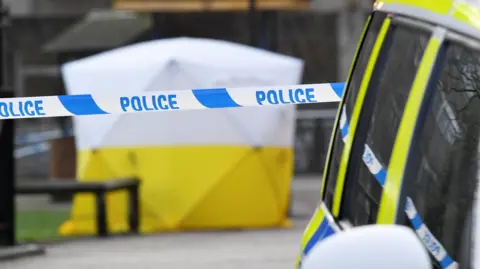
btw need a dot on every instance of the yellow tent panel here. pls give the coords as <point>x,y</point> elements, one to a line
<point>202,187</point>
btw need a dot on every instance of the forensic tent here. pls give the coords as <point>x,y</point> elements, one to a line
<point>204,169</point>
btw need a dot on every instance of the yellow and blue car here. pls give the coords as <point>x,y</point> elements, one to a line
<point>406,143</point>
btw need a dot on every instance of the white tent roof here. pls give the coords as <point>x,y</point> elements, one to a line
<point>199,51</point>
<point>177,64</point>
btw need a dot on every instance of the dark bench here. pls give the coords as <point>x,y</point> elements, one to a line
<point>99,189</point>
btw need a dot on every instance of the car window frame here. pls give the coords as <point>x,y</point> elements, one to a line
<point>336,135</point>
<point>426,104</point>
<point>361,133</point>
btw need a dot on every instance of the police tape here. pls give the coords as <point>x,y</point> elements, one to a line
<point>34,149</point>
<point>434,247</point>
<point>195,99</point>
<point>37,142</point>
<point>42,136</point>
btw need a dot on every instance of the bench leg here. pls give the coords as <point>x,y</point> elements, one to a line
<point>101,214</point>
<point>134,207</point>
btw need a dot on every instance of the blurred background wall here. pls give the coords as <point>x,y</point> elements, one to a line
<point>323,33</point>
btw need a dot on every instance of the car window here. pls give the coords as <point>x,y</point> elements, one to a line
<point>351,95</point>
<point>379,121</point>
<point>443,166</point>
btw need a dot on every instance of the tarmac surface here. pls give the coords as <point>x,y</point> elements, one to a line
<point>252,249</point>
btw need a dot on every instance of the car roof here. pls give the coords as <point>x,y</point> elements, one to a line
<point>459,15</point>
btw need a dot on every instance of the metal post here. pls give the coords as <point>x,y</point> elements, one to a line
<point>7,162</point>
<point>253,23</point>
<point>3,60</point>
<point>7,180</point>
<point>273,41</point>
<point>7,165</point>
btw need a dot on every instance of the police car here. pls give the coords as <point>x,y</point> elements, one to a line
<point>405,148</point>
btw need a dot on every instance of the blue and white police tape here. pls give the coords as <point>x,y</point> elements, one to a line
<point>37,137</point>
<point>31,150</point>
<point>101,104</point>
<point>380,173</point>
<point>433,245</point>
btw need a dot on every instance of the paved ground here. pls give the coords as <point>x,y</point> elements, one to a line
<point>262,249</point>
